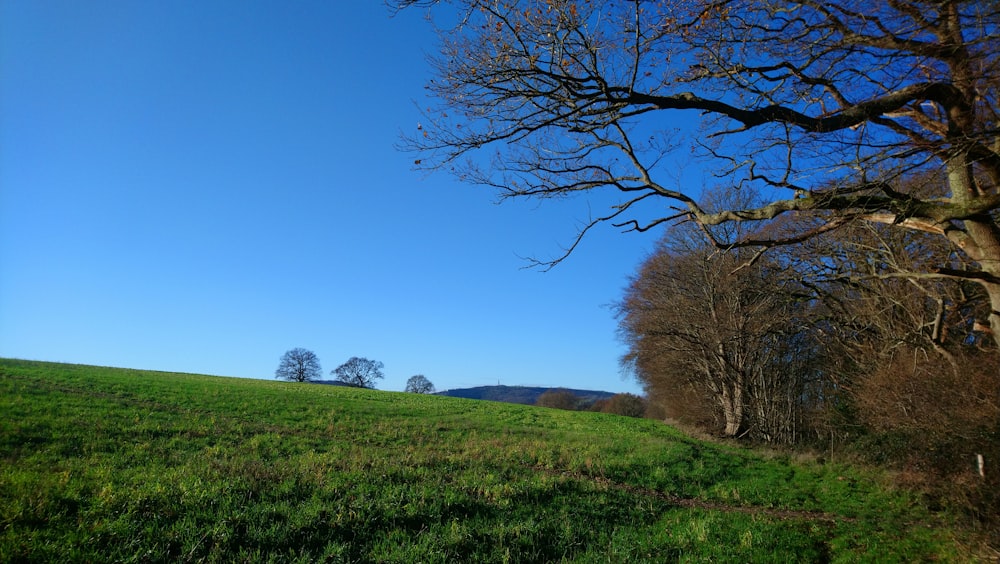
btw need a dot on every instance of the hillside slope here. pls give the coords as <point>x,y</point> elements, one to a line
<point>107,464</point>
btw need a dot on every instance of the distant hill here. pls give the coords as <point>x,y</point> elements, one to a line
<point>519,394</point>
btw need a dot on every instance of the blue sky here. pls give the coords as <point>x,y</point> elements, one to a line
<point>201,186</point>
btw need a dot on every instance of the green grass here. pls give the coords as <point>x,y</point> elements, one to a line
<point>102,464</point>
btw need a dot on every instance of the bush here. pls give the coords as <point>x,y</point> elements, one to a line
<point>558,399</point>
<point>629,405</point>
<point>928,417</point>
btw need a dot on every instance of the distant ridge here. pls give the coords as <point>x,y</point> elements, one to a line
<point>527,395</point>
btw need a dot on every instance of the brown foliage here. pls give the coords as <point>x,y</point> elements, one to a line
<point>629,405</point>
<point>930,416</point>
<point>716,339</point>
<point>924,394</point>
<point>558,399</point>
<point>678,401</point>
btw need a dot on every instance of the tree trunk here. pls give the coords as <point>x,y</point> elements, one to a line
<point>981,237</point>
<point>732,410</point>
<point>986,251</point>
<point>993,291</point>
<point>988,240</point>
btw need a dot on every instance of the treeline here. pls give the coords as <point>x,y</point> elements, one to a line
<point>837,341</point>
<point>302,365</point>
<point>629,405</point>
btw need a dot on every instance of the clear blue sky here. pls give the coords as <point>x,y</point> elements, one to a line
<point>201,186</point>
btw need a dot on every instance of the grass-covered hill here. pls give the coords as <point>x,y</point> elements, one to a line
<point>101,464</point>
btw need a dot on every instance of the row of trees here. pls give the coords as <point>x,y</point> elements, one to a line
<point>302,365</point>
<point>629,405</point>
<point>791,346</point>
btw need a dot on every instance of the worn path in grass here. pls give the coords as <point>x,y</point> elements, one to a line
<point>695,503</point>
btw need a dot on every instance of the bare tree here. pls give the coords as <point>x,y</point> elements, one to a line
<point>874,303</point>
<point>832,108</point>
<point>360,372</point>
<point>900,349</point>
<point>419,384</point>
<point>299,365</point>
<point>705,329</point>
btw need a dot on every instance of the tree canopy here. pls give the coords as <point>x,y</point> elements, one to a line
<point>419,384</point>
<point>299,365</point>
<point>837,112</point>
<point>360,372</point>
<point>728,340</point>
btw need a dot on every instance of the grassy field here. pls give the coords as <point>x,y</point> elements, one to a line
<point>101,464</point>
